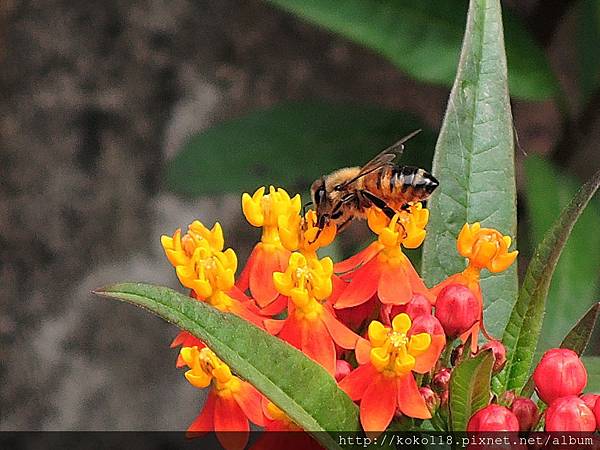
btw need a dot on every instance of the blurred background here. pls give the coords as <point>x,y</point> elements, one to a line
<point>123,120</point>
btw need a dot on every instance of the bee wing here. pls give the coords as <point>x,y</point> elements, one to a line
<point>382,159</point>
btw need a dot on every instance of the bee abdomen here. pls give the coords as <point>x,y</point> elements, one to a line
<point>413,182</point>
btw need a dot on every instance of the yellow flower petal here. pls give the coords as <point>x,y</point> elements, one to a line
<point>401,323</point>
<point>198,379</point>
<point>377,333</point>
<point>419,343</point>
<point>404,364</point>
<point>379,358</point>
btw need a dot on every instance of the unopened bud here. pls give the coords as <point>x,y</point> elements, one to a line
<point>526,411</point>
<point>493,418</point>
<point>457,309</point>
<point>342,368</point>
<point>418,306</point>
<point>560,373</point>
<point>440,380</point>
<point>570,413</point>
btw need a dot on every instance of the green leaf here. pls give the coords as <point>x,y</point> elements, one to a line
<point>291,145</point>
<point>474,161</point>
<point>577,340</point>
<point>525,323</point>
<point>592,364</point>
<point>576,279</point>
<point>296,384</point>
<point>423,38</point>
<point>588,36</point>
<point>469,389</point>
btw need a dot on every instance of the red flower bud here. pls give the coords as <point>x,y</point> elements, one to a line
<point>432,400</point>
<point>559,373</point>
<point>570,414</point>
<point>342,368</point>
<point>493,418</point>
<point>440,380</point>
<point>418,306</point>
<point>499,354</point>
<point>590,400</point>
<point>457,309</point>
<point>597,414</point>
<point>526,411</point>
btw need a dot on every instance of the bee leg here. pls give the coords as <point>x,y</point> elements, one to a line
<point>380,203</point>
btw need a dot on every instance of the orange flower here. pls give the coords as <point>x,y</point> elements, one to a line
<point>202,266</point>
<point>310,325</point>
<point>385,383</point>
<point>300,234</point>
<point>231,402</point>
<point>484,248</point>
<point>384,270</point>
<point>268,255</point>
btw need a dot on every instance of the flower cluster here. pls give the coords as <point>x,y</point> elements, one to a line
<point>370,321</point>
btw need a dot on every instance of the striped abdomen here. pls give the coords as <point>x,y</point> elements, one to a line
<point>399,185</point>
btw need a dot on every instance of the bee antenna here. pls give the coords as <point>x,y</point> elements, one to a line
<point>408,137</point>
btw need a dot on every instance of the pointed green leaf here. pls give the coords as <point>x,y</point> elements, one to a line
<point>576,279</point>
<point>474,162</point>
<point>291,145</point>
<point>296,384</point>
<point>423,38</point>
<point>580,335</point>
<point>469,389</point>
<point>525,323</point>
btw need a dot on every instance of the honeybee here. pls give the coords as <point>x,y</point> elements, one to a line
<point>348,193</point>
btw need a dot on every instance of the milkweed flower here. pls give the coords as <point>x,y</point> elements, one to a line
<point>208,271</point>
<point>484,248</point>
<point>302,234</point>
<point>310,325</point>
<point>269,255</point>
<point>385,382</point>
<point>230,404</point>
<point>203,266</point>
<point>382,269</point>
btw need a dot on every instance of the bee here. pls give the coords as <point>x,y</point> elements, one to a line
<point>348,193</point>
